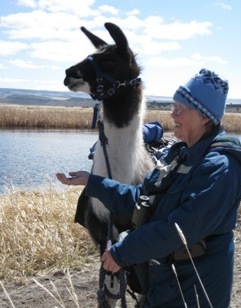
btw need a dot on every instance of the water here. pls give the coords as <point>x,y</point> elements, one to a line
<point>31,158</point>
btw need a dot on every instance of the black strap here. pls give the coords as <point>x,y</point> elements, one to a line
<point>104,142</point>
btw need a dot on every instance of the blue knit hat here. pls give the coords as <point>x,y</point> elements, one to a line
<point>206,92</point>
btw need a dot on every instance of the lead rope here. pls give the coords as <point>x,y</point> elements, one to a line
<point>101,292</point>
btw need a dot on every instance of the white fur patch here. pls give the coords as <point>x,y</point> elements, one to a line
<point>128,158</point>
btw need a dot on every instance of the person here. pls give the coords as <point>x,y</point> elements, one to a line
<point>199,191</point>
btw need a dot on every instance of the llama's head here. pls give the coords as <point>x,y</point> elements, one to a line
<point>106,71</point>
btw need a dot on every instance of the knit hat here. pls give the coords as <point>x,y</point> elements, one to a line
<point>206,92</point>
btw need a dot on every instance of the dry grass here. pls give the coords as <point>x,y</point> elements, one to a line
<point>232,122</point>
<point>45,117</point>
<point>38,233</point>
<point>12,116</point>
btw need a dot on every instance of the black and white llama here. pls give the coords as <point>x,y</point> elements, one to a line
<point>111,75</point>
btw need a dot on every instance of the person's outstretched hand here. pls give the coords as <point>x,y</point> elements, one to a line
<point>75,178</point>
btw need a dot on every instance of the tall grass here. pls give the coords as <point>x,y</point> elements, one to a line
<point>38,233</point>
<point>81,118</point>
<point>45,117</point>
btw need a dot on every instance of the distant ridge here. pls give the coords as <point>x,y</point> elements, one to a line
<point>44,98</point>
<point>72,99</point>
<point>58,98</point>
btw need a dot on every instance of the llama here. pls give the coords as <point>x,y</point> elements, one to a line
<point>111,76</point>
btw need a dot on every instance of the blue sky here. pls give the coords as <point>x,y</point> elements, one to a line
<point>173,40</point>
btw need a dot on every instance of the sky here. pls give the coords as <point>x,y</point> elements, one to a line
<point>173,40</point>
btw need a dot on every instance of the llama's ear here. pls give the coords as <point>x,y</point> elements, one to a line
<point>119,38</point>
<point>95,40</point>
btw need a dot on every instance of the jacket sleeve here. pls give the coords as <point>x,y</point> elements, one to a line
<point>208,206</point>
<point>118,198</point>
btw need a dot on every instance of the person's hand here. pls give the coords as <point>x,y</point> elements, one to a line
<point>108,262</point>
<point>75,178</point>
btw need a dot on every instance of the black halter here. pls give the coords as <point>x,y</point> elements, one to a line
<point>100,76</point>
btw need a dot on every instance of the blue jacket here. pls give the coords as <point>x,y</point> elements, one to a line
<point>203,199</point>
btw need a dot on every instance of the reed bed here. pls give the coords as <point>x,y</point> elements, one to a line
<point>38,234</point>
<point>45,117</point>
<point>81,118</point>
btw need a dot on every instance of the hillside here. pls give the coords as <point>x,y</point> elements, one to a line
<point>44,98</point>
<point>72,99</point>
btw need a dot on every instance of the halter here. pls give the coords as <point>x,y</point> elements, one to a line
<point>116,84</point>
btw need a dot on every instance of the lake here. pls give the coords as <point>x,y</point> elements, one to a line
<point>31,158</point>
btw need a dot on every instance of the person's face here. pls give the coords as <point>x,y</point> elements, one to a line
<point>189,126</point>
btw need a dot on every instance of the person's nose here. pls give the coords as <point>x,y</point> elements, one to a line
<point>173,115</point>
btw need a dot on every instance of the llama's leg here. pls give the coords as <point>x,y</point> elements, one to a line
<point>112,289</point>
<point>111,285</point>
<point>109,292</point>
<point>82,206</point>
<point>141,301</point>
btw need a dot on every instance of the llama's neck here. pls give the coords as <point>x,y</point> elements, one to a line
<point>125,107</point>
<point>126,152</point>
